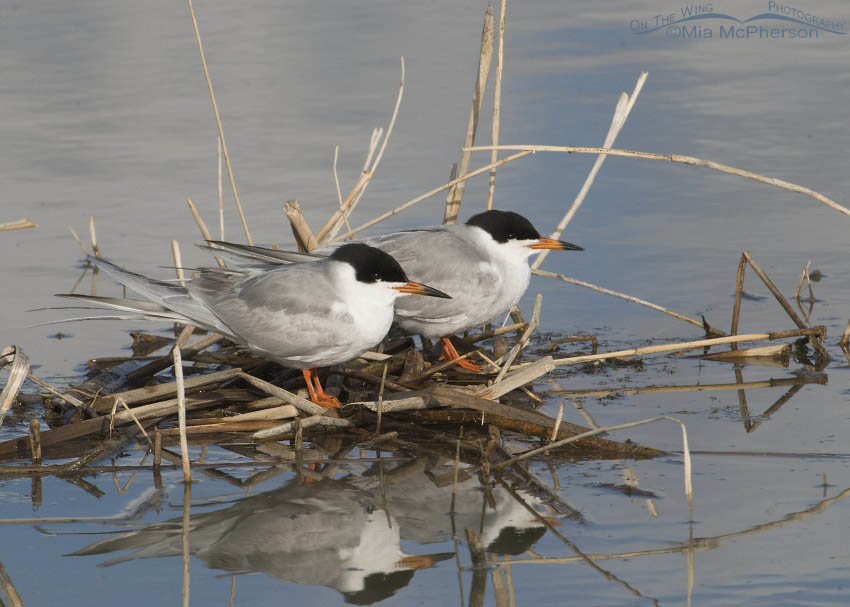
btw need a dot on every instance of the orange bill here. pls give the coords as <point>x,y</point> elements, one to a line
<point>558,245</point>
<point>420,289</point>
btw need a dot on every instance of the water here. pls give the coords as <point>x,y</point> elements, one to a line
<point>106,113</point>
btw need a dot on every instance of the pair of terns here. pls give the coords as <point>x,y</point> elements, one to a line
<point>335,306</point>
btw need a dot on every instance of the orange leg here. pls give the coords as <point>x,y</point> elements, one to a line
<point>317,394</point>
<point>449,353</point>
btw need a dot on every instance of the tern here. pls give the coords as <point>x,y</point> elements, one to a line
<point>482,265</point>
<point>303,315</point>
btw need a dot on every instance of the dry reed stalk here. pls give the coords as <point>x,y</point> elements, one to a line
<point>178,263</point>
<point>406,403</point>
<point>94,246</point>
<point>281,412</point>
<point>203,227</point>
<point>293,399</point>
<point>518,378</point>
<point>19,224</point>
<point>776,292</point>
<point>220,194</point>
<point>20,362</point>
<point>803,277</point>
<point>739,292</point>
<point>79,242</point>
<point>218,123</point>
<point>10,593</point>
<point>181,415</point>
<point>304,238</point>
<point>678,159</point>
<point>437,368</point>
<point>558,419</point>
<point>74,402</point>
<point>532,325</point>
<point>484,61</point>
<point>135,420</point>
<point>643,302</point>
<point>690,345</point>
<point>497,101</point>
<point>153,393</point>
<point>621,113</point>
<point>427,195</point>
<point>334,225</point>
<point>301,424</point>
<point>339,190</point>
<point>471,339</point>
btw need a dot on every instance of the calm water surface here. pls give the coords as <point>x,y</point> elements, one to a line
<point>104,112</point>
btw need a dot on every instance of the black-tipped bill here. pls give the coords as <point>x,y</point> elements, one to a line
<point>418,288</point>
<point>556,245</point>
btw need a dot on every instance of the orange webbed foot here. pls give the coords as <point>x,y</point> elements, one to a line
<point>450,353</point>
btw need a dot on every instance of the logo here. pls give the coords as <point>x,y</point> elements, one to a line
<point>701,22</point>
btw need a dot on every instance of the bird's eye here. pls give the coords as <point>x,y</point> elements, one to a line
<point>376,276</point>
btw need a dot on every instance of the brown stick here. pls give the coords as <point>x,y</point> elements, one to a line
<point>304,238</point>
<point>739,290</point>
<point>218,123</point>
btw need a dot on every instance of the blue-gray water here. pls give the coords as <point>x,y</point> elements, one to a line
<point>104,111</point>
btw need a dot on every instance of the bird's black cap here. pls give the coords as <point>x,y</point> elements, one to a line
<point>370,264</point>
<point>504,225</point>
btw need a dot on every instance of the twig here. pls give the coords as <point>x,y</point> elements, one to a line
<point>532,325</point>
<point>203,227</point>
<point>675,158</point>
<point>218,123</point>
<point>621,113</point>
<point>10,593</point>
<point>304,238</point>
<point>293,399</point>
<point>690,345</point>
<point>518,378</point>
<point>79,241</point>
<point>220,194</point>
<point>316,420</point>
<point>328,233</point>
<point>643,302</point>
<point>178,263</point>
<point>94,246</point>
<point>776,292</point>
<point>484,61</point>
<point>338,190</point>
<point>430,193</point>
<point>497,102</point>
<point>19,224</point>
<point>74,402</point>
<point>181,415</point>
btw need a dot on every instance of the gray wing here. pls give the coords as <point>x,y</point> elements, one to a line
<point>444,260</point>
<point>241,253</point>
<point>171,296</point>
<point>289,313</point>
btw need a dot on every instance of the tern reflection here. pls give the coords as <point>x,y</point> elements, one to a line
<point>344,533</point>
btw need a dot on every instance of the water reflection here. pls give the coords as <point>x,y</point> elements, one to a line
<point>345,533</point>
